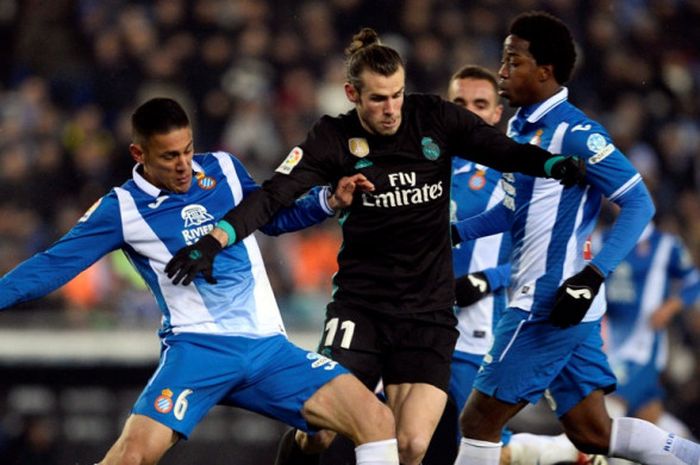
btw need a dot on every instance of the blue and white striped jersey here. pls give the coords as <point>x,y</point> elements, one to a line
<point>476,188</point>
<point>551,225</point>
<point>657,268</point>
<point>150,226</point>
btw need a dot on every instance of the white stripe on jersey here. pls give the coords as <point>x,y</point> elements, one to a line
<point>633,181</point>
<point>546,196</point>
<point>558,138</point>
<point>572,260</point>
<point>184,302</point>
<point>267,312</point>
<point>639,344</point>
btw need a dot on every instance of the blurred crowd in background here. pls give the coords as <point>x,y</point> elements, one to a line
<point>255,74</point>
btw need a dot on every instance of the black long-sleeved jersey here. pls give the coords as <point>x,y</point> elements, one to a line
<point>396,252</point>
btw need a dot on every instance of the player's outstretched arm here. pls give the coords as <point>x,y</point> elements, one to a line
<point>199,257</point>
<point>96,234</point>
<point>477,141</point>
<point>492,221</point>
<point>317,205</point>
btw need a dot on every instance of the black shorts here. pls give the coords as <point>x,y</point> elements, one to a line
<point>397,348</point>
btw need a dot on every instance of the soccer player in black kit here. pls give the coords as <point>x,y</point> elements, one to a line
<point>391,315</point>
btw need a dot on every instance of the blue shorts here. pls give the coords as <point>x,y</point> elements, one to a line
<point>270,376</point>
<point>530,356</point>
<point>464,369</point>
<point>638,384</point>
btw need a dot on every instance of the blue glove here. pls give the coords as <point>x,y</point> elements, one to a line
<point>194,259</point>
<point>574,297</point>
<point>471,288</point>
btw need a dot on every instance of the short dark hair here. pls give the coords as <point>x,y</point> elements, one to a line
<point>550,40</point>
<point>157,116</point>
<point>366,51</point>
<point>476,72</point>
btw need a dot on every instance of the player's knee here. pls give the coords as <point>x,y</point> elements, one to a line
<point>375,420</point>
<point>412,448</point>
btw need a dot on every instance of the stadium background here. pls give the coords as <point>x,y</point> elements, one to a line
<point>254,75</point>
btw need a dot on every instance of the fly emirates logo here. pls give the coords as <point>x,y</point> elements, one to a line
<point>405,192</point>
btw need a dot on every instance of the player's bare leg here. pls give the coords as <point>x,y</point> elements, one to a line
<point>588,423</point>
<point>335,407</point>
<point>417,409</point>
<point>143,442</point>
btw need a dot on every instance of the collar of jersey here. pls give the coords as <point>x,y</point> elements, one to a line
<point>533,113</point>
<point>149,188</point>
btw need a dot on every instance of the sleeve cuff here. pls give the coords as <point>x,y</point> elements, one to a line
<point>226,226</point>
<point>323,195</point>
<point>550,163</point>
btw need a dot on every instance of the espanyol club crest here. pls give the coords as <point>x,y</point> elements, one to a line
<point>358,146</point>
<point>477,181</point>
<point>537,138</point>
<point>205,182</point>
<point>164,402</point>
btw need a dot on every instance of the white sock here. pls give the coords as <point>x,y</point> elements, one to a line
<point>534,449</point>
<point>615,407</point>
<point>641,441</point>
<point>670,423</point>
<point>475,452</point>
<point>616,461</point>
<point>384,452</point>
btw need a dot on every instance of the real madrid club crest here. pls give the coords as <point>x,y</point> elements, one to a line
<point>205,182</point>
<point>358,146</point>
<point>478,180</point>
<point>431,150</point>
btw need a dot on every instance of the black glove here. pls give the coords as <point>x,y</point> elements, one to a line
<point>568,170</point>
<point>193,259</point>
<point>575,296</point>
<point>471,288</point>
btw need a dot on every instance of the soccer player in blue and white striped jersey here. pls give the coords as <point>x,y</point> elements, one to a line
<point>549,337</point>
<point>223,341</point>
<point>648,288</point>
<point>482,268</point>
